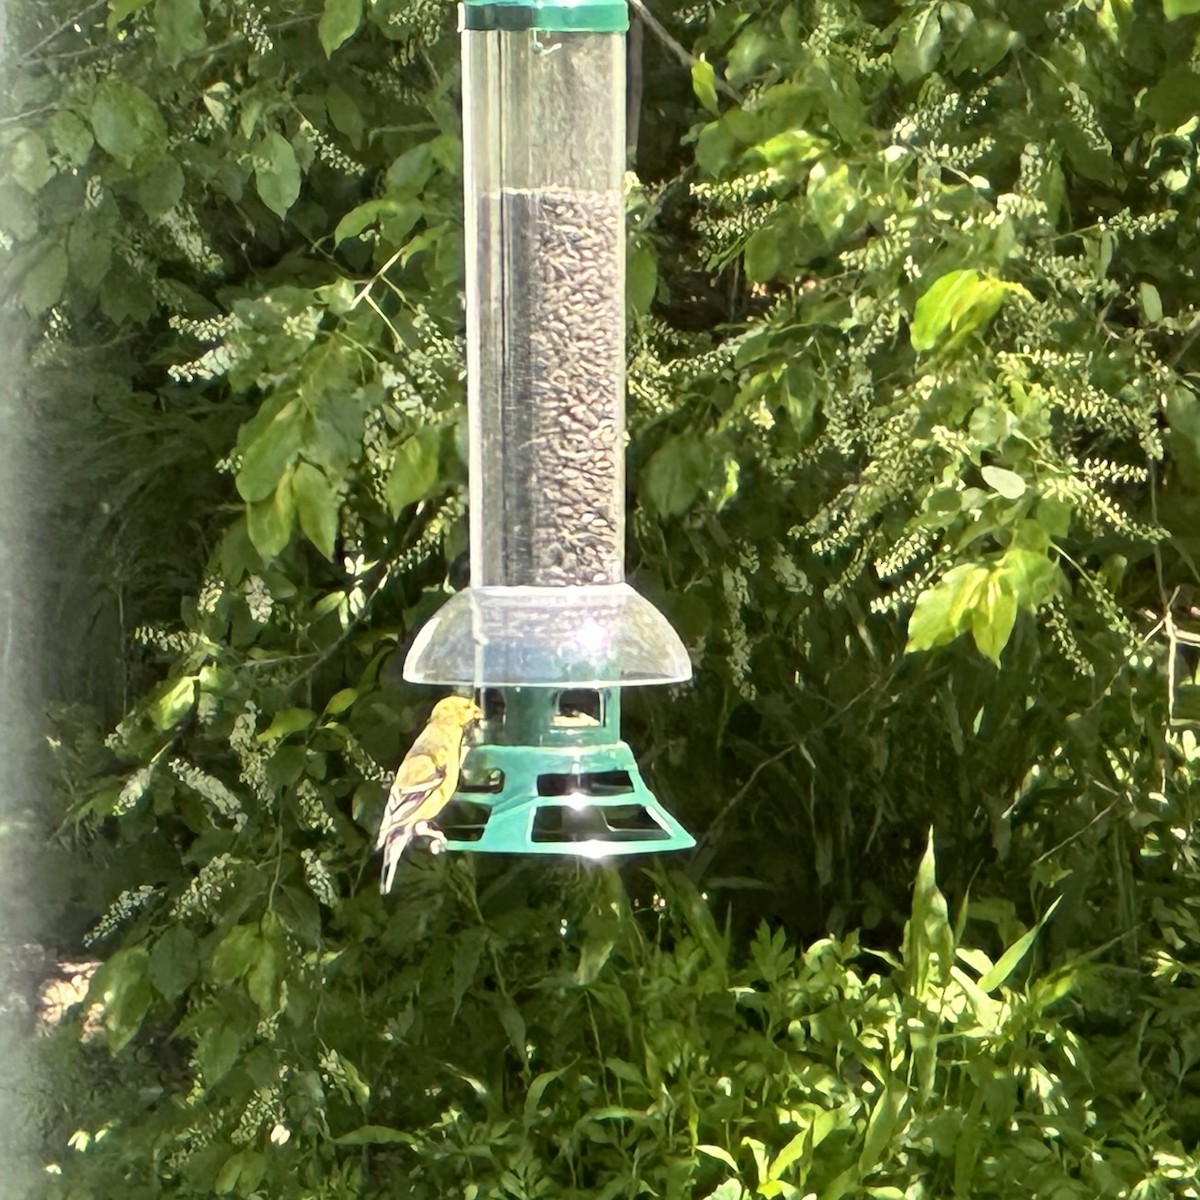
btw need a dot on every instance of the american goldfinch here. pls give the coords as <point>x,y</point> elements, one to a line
<point>424,783</point>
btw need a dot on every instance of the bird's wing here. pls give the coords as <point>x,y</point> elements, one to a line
<point>416,782</point>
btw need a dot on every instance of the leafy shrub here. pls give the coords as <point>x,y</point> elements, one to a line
<point>914,465</point>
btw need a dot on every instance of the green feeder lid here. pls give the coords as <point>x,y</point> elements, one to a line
<point>562,16</point>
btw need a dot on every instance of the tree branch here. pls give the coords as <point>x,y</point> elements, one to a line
<point>67,24</point>
<point>685,56</point>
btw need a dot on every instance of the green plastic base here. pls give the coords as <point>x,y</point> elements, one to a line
<point>579,793</point>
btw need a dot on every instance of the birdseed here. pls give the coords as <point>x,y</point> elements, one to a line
<point>561,366</point>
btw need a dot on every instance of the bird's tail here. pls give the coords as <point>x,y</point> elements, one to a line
<point>392,852</point>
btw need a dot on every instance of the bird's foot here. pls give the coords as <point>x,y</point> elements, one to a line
<point>437,839</point>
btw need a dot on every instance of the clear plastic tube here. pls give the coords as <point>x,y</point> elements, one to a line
<point>544,150</point>
<point>543,126</point>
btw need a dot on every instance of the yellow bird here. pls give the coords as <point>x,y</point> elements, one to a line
<point>424,783</point>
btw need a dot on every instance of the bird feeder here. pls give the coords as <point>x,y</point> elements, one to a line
<point>548,631</point>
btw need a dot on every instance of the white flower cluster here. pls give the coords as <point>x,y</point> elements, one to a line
<point>206,890</point>
<point>319,880</point>
<point>1083,113</point>
<point>207,329</point>
<point>431,536</point>
<point>211,592</point>
<point>907,591</point>
<point>263,1106</point>
<point>965,157</point>
<point>313,813</point>
<point>259,600</point>
<point>134,789</point>
<point>724,233</point>
<point>251,23</point>
<point>119,913</point>
<point>252,759</point>
<point>328,151</point>
<point>933,116</point>
<point>211,789</point>
<point>1106,470</point>
<point>903,554</point>
<point>183,228</point>
<point>1064,638</point>
<point>362,762</point>
<point>737,597</point>
<point>789,574</point>
<point>1126,224</point>
<point>210,365</point>
<point>693,14</point>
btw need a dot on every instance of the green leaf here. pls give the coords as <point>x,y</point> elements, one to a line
<point>160,187</point>
<point>89,250</point>
<point>318,505</point>
<point>43,284</point>
<point>268,456</point>
<point>414,473</point>
<point>1174,9</point>
<point>1152,307</point>
<point>1009,484</point>
<point>270,522</point>
<point>217,1051</point>
<point>1008,962</point>
<point>641,276</point>
<point>715,148</point>
<point>262,980</point>
<point>30,163</point>
<point>831,197</point>
<point>1174,99</point>
<point>986,42</point>
<point>993,617</point>
<point>720,1154</point>
<point>731,1189</point>
<point>942,611</point>
<point>122,988</point>
<point>366,215</point>
<point>596,951</point>
<point>959,302</point>
<point>171,701</point>
<point>235,954</point>
<point>286,722</point>
<point>704,84</point>
<point>344,113</point>
<point>761,255</point>
<point>468,951</point>
<point>376,1135</point>
<point>173,961</point>
<point>675,475</point>
<point>18,213</point>
<point>118,10</point>
<point>886,1117</point>
<point>937,306</point>
<point>1032,577</point>
<point>126,122</point>
<point>276,173</point>
<point>339,20</point>
<point>244,1171</point>
<point>513,1024</point>
<point>537,1089</point>
<point>178,29</point>
<point>928,938</point>
<point>918,46</point>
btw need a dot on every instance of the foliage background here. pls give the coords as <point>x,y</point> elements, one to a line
<point>914,463</point>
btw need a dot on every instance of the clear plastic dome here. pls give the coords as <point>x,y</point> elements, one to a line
<point>596,636</point>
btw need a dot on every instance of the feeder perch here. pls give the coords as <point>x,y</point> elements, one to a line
<point>549,631</point>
